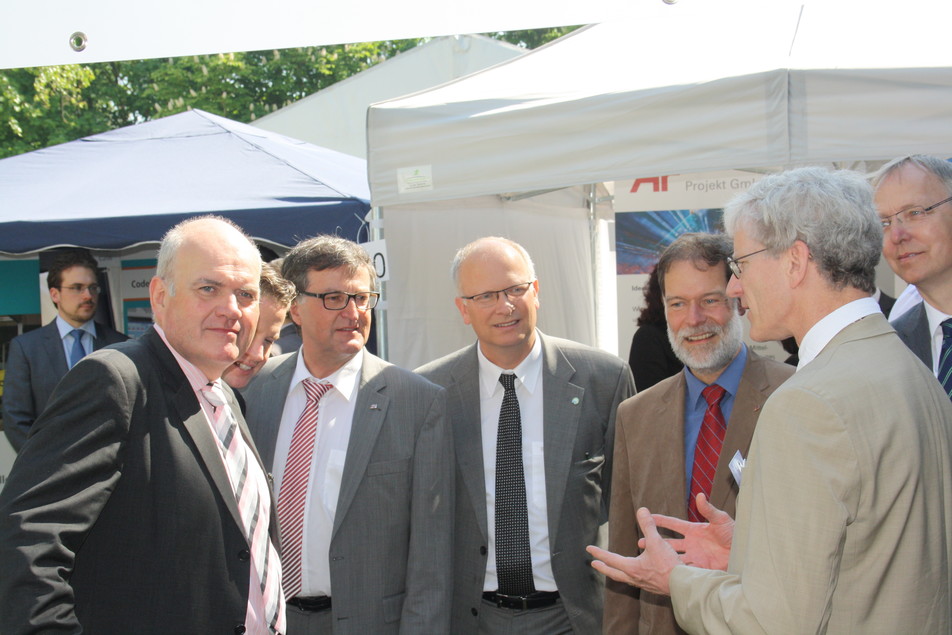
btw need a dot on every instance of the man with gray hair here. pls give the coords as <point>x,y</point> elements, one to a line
<point>361,458</point>
<point>676,440</point>
<point>914,197</point>
<point>533,421</point>
<point>844,523</point>
<point>138,504</point>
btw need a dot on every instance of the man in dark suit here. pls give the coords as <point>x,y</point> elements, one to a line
<point>560,468</point>
<point>364,450</point>
<point>37,360</point>
<point>914,199</point>
<point>138,504</point>
<point>660,440</point>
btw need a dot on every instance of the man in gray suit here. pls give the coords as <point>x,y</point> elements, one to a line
<point>37,360</point>
<point>567,397</point>
<point>844,522</point>
<point>361,456</point>
<point>914,198</point>
<point>667,437</point>
<point>137,505</point>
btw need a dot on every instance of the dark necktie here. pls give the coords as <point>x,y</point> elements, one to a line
<point>708,449</point>
<point>77,352</point>
<point>513,559</point>
<point>945,358</point>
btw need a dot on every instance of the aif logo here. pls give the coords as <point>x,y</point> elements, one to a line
<point>658,184</point>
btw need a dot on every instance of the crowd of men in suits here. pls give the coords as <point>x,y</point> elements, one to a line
<point>186,482</point>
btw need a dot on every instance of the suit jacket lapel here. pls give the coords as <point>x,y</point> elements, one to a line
<point>185,404</point>
<point>561,409</point>
<point>276,383</point>
<point>370,411</point>
<point>56,354</point>
<point>467,432</point>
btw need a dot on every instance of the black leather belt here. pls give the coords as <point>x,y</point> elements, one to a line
<point>532,601</point>
<point>312,604</point>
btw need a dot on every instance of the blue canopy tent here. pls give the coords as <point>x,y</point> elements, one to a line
<point>128,186</point>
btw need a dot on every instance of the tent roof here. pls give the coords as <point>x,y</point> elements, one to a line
<point>128,186</point>
<point>704,86</point>
<point>336,117</point>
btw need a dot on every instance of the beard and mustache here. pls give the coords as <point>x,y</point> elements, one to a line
<point>714,355</point>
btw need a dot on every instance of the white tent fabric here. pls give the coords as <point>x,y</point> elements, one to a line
<point>336,117</point>
<point>40,33</point>
<point>705,86</point>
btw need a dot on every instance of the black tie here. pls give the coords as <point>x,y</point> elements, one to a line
<point>513,561</point>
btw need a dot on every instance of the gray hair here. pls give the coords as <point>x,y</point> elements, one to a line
<point>325,252</point>
<point>698,248</point>
<point>938,167</point>
<point>173,240</point>
<point>467,250</point>
<point>832,212</point>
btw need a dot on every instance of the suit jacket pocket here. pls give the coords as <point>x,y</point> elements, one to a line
<point>388,467</point>
<point>393,604</point>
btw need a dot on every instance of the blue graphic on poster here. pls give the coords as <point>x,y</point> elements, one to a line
<point>640,237</point>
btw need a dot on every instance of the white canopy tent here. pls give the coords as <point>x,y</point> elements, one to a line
<point>702,87</point>
<point>336,117</point>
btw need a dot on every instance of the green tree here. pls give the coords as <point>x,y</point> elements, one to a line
<point>44,106</point>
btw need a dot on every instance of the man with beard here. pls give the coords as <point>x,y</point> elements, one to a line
<point>38,359</point>
<point>672,438</point>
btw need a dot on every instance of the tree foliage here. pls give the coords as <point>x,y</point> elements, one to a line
<point>44,106</point>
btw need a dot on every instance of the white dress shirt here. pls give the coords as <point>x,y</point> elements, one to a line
<point>529,393</point>
<point>826,329</point>
<point>935,317</point>
<point>334,419</point>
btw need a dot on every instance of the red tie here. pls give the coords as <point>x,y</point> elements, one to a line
<point>708,449</point>
<point>293,496</point>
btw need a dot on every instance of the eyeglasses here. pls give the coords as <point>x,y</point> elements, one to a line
<point>734,263</point>
<point>78,289</point>
<point>489,298</point>
<point>911,215</point>
<point>338,300</point>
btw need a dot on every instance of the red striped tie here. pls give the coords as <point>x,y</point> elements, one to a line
<point>708,449</point>
<point>293,496</point>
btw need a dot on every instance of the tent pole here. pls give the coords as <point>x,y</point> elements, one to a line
<point>376,233</point>
<point>591,204</point>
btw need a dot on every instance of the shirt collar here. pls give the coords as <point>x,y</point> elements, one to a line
<point>196,378</point>
<point>729,379</point>
<point>65,328</point>
<point>345,379</point>
<point>826,329</point>
<point>527,372</point>
<point>935,317</point>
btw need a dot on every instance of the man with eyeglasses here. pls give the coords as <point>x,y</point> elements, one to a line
<point>844,520</point>
<point>361,458</point>
<point>529,498</point>
<point>37,360</point>
<point>678,439</point>
<point>914,198</point>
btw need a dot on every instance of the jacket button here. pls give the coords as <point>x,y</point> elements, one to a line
<point>244,555</point>
<point>240,629</point>
<point>483,551</point>
<point>474,612</point>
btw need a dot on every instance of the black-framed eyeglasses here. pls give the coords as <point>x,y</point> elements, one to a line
<point>911,215</point>
<point>489,298</point>
<point>79,289</point>
<point>734,263</point>
<point>338,300</point>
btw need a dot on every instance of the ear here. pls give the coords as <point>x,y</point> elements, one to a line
<point>158,296</point>
<point>463,310</point>
<point>295,312</point>
<point>535,290</point>
<point>799,263</point>
<point>55,295</point>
